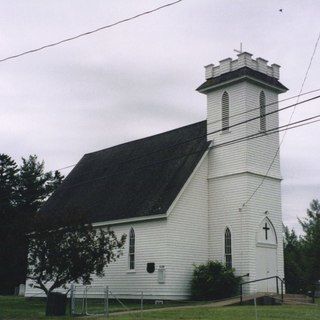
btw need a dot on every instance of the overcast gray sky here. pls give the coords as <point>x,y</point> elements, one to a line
<point>139,78</point>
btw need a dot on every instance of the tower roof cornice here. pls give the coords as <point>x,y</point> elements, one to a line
<point>243,68</point>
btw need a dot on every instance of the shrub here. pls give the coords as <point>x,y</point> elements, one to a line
<point>213,280</point>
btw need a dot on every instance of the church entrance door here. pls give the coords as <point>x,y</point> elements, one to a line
<point>266,264</point>
<point>266,257</point>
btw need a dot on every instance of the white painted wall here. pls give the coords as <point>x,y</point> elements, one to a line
<point>234,173</point>
<point>151,246</point>
<point>176,242</point>
<point>188,232</point>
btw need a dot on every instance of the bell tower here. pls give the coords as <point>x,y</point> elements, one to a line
<point>239,158</point>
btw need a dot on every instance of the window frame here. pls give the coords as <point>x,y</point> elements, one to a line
<point>262,110</point>
<point>225,112</point>
<point>132,250</point>
<point>228,247</point>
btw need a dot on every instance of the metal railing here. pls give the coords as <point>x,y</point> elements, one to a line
<point>264,279</point>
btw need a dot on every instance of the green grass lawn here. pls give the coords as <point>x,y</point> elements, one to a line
<point>233,313</point>
<point>12,307</point>
<point>22,308</point>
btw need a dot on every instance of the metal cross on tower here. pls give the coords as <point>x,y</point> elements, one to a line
<point>266,228</point>
<point>239,51</point>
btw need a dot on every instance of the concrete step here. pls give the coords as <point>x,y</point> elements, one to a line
<point>296,299</point>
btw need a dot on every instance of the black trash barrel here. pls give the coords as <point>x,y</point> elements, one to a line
<point>56,304</point>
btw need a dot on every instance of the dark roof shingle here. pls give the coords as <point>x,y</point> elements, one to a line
<point>134,179</point>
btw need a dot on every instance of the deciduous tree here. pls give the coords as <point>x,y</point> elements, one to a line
<point>66,248</point>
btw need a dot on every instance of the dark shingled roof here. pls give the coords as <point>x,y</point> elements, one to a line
<point>240,74</point>
<point>134,179</point>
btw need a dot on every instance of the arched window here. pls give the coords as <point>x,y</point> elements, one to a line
<point>263,123</point>
<point>225,111</point>
<point>227,248</point>
<point>132,241</point>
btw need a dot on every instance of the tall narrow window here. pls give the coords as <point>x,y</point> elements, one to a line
<point>132,241</point>
<point>225,111</point>
<point>263,123</point>
<point>227,248</point>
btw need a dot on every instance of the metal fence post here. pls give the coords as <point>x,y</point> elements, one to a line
<point>282,291</point>
<point>107,303</point>
<point>241,293</point>
<point>314,293</point>
<point>86,303</point>
<point>141,306</point>
<point>277,281</point>
<point>72,300</point>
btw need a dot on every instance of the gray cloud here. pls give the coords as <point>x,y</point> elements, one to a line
<point>139,78</point>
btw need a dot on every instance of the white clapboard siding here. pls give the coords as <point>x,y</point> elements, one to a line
<point>236,170</point>
<point>188,232</point>
<point>170,242</point>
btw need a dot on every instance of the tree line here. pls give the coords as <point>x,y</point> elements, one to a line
<point>302,253</point>
<point>50,248</point>
<point>23,189</point>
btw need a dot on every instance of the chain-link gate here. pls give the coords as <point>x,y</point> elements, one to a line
<point>95,300</point>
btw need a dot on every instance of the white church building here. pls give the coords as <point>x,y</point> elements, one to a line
<point>194,193</point>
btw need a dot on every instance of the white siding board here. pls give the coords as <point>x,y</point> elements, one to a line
<point>188,232</point>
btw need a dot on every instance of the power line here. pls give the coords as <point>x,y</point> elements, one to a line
<point>271,131</point>
<point>293,125</point>
<point>88,32</point>
<point>220,120</point>
<point>216,131</point>
<point>208,133</point>
<point>238,140</point>
<point>291,116</point>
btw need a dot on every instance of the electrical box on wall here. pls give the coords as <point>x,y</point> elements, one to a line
<point>161,274</point>
<point>150,267</point>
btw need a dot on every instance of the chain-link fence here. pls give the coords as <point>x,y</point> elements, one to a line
<point>100,300</point>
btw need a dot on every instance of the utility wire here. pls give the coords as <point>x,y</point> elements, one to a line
<point>89,32</point>
<point>267,105</point>
<point>285,133</point>
<point>216,131</point>
<point>210,133</point>
<point>271,131</point>
<point>220,120</point>
<point>217,121</point>
<point>238,140</point>
<point>293,125</point>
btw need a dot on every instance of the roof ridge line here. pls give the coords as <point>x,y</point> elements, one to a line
<point>145,138</point>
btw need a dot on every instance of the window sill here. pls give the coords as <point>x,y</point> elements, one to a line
<point>131,271</point>
<point>225,132</point>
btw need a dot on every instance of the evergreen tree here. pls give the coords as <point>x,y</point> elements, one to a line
<point>35,185</point>
<point>293,258</point>
<point>311,242</point>
<point>8,181</point>
<point>22,192</point>
<point>8,215</point>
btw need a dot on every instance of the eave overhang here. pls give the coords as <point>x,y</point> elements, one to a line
<point>242,74</point>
